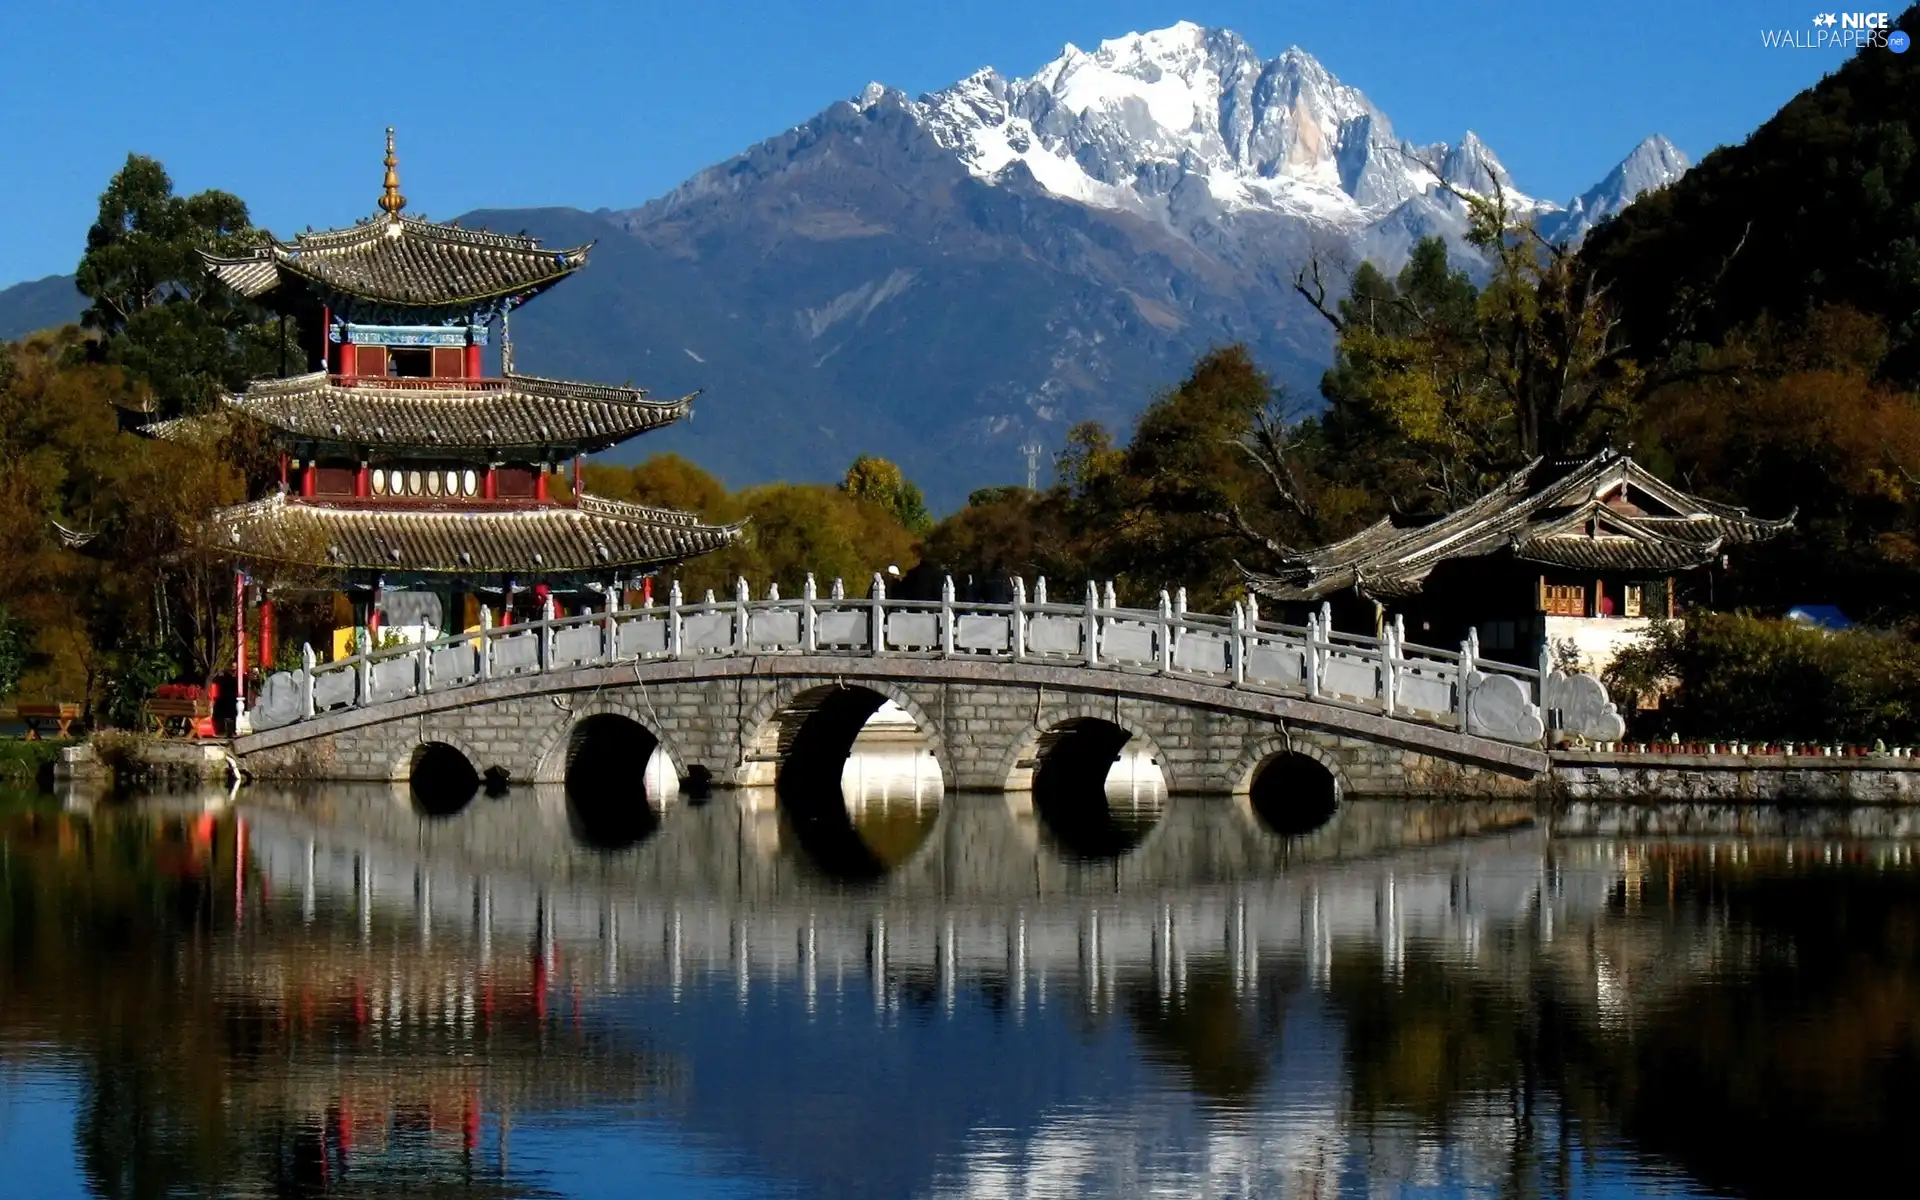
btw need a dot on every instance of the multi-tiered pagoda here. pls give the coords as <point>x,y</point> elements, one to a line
<point>406,470</point>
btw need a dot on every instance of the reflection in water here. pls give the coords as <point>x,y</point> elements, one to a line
<point>441,780</point>
<point>610,805</point>
<point>330,994</point>
<point>858,818</point>
<point>1096,797</point>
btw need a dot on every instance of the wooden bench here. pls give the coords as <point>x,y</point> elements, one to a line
<point>56,718</point>
<point>177,718</point>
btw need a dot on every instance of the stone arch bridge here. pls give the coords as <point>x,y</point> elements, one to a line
<point>736,692</point>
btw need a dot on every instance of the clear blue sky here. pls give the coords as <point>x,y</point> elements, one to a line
<point>595,104</point>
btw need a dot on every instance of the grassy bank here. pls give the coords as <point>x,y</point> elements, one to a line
<point>27,764</point>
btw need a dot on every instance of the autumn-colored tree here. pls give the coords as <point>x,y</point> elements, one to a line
<point>1798,418</point>
<point>790,529</point>
<point>95,529</point>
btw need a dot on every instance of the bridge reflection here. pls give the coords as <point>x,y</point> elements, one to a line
<point>338,992</point>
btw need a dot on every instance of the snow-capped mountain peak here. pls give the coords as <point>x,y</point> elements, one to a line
<point>1189,126</point>
<point>1123,125</point>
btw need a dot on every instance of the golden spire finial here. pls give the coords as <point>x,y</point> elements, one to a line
<point>390,198</point>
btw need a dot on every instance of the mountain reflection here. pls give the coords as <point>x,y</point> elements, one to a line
<point>334,993</point>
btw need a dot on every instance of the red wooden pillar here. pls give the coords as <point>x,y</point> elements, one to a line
<point>540,484</point>
<point>309,478</point>
<point>362,485</point>
<point>473,359</point>
<point>349,364</point>
<point>239,647</point>
<point>283,472</point>
<point>266,633</point>
<point>489,490</point>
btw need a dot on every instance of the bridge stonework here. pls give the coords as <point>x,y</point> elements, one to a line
<point>982,722</point>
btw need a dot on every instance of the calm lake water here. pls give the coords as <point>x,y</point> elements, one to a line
<point>332,993</point>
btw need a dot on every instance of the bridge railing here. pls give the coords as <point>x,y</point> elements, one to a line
<point>1386,674</point>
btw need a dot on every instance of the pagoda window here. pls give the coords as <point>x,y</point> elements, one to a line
<point>334,481</point>
<point>1565,600</point>
<point>1646,599</point>
<point>449,362</point>
<point>513,483</point>
<point>369,360</point>
<point>410,362</point>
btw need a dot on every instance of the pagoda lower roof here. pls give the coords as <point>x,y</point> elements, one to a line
<point>593,536</point>
<point>513,416</point>
<point>400,263</point>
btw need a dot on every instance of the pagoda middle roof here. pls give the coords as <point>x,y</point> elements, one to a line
<point>1603,513</point>
<point>403,262</point>
<point>592,536</point>
<point>504,416</point>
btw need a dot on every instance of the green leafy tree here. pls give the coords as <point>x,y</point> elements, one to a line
<point>16,646</point>
<point>879,481</point>
<point>154,309</point>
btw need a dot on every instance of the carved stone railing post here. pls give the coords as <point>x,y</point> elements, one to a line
<point>1019,619</point>
<point>877,597</point>
<point>1166,632</point>
<point>839,591</point>
<point>306,685</point>
<point>1239,644</point>
<point>1545,667</point>
<point>1040,591</point>
<point>809,617</point>
<point>1180,614</point>
<point>1253,612</point>
<point>946,617</point>
<point>674,639</point>
<point>363,693</point>
<point>1093,624</point>
<point>610,633</point>
<point>1313,654</point>
<point>1389,650</point>
<point>740,640</point>
<point>546,633</point>
<point>1469,651</point>
<point>423,668</point>
<point>1107,597</point>
<point>486,642</point>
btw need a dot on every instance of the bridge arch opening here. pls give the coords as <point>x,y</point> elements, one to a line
<point>619,781</point>
<point>440,780</point>
<point>857,782</point>
<point>1293,794</point>
<point>1096,795</point>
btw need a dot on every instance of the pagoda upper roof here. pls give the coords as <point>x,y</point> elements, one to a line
<point>404,263</point>
<point>593,536</point>
<point>509,416</point>
<point>1603,513</point>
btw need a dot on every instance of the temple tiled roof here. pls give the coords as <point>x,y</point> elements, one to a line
<point>592,537</point>
<point>1606,513</point>
<point>516,414</point>
<point>403,262</point>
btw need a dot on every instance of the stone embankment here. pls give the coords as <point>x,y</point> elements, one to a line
<point>1735,778</point>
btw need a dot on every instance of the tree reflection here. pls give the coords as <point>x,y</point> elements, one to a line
<point>1220,1043</point>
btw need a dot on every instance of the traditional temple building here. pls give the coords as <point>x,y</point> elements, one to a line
<point>420,484</point>
<point>1573,557</point>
